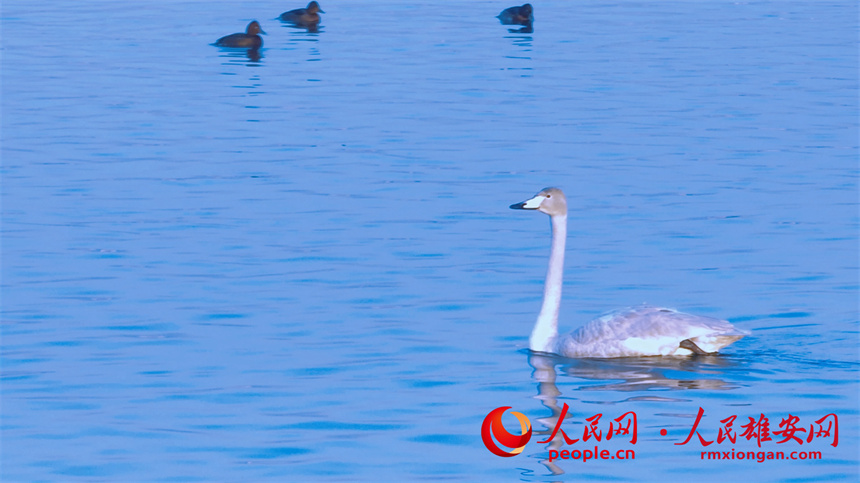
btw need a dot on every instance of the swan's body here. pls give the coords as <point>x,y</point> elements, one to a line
<point>639,331</point>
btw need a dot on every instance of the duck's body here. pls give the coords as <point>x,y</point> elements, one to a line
<point>522,15</point>
<point>304,17</point>
<point>248,40</point>
<point>640,331</point>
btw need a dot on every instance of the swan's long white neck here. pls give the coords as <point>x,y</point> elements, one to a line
<point>546,328</point>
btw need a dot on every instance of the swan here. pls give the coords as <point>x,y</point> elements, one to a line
<point>637,331</point>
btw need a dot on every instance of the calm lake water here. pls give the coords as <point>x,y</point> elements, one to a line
<point>301,266</point>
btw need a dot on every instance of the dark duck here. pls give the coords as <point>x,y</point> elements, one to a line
<point>249,40</point>
<point>308,17</point>
<point>522,15</point>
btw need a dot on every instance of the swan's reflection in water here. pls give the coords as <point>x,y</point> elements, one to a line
<point>659,374</point>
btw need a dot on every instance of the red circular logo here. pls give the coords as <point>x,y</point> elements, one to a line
<point>493,427</point>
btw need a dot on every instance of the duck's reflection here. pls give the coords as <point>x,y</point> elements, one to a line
<point>524,42</point>
<point>254,55</point>
<point>626,375</point>
<point>242,56</point>
<point>311,29</point>
<point>528,29</point>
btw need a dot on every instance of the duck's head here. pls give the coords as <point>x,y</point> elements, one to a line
<point>550,201</point>
<point>254,28</point>
<point>526,10</point>
<point>314,7</point>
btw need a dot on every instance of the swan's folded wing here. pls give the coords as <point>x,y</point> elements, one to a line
<point>646,330</point>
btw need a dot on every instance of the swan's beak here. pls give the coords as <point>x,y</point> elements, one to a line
<point>531,204</point>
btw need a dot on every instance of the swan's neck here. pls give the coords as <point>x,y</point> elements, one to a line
<point>546,328</point>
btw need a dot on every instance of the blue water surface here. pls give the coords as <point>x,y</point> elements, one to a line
<point>300,265</point>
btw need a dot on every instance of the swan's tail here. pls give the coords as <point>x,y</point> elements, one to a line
<point>716,341</point>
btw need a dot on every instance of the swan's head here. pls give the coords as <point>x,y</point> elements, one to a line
<point>550,201</point>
